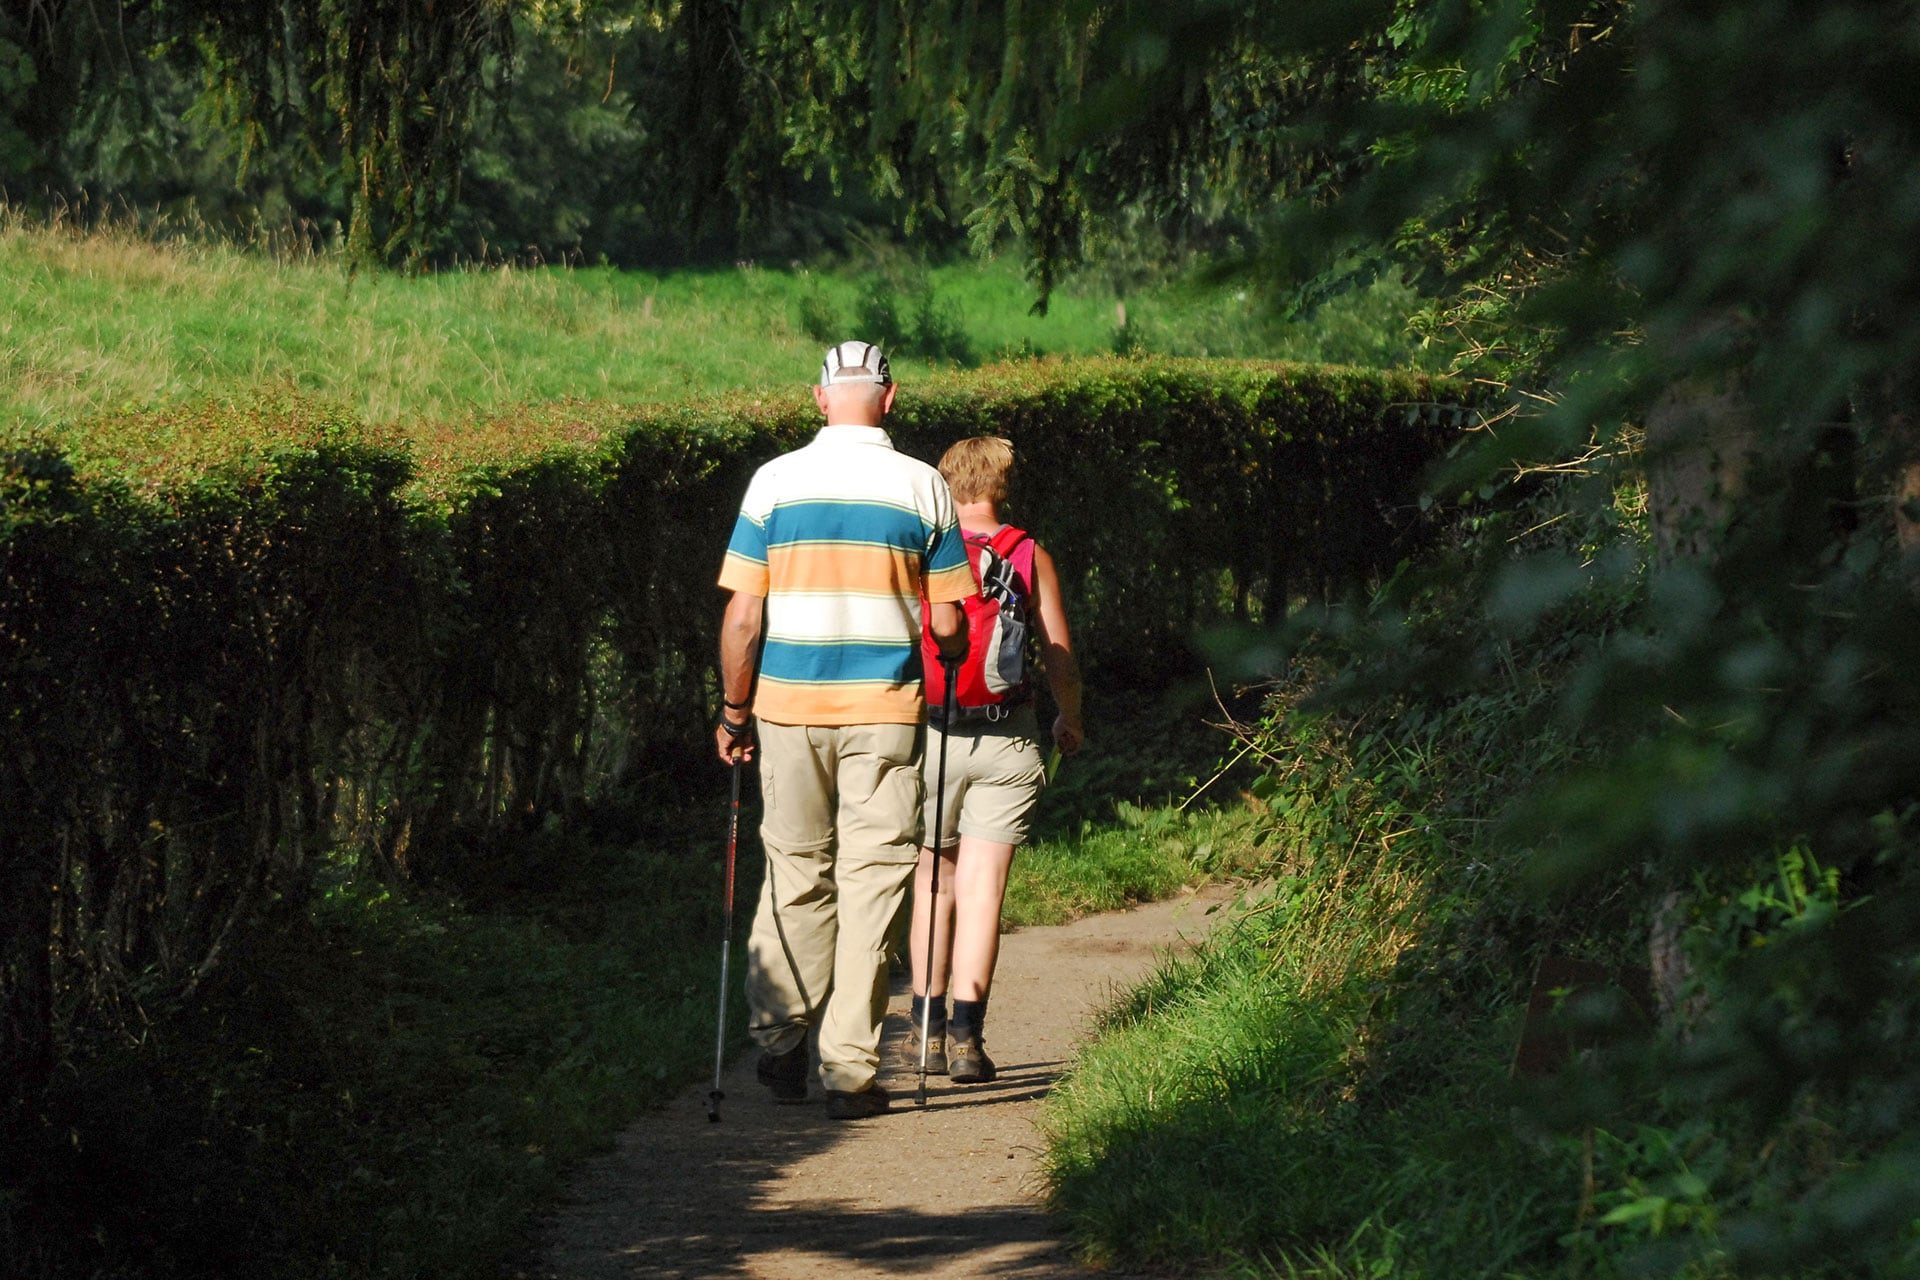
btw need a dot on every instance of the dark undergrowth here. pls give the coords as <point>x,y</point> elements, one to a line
<point>388,1085</point>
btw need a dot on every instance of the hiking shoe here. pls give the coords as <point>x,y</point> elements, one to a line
<point>936,1053</point>
<point>785,1074</point>
<point>968,1063</point>
<point>870,1101</point>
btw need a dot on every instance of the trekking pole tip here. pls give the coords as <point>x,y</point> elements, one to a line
<point>713,1106</point>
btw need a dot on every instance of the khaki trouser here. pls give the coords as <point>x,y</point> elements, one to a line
<point>841,833</point>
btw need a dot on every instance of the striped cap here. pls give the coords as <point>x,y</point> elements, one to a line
<point>855,362</point>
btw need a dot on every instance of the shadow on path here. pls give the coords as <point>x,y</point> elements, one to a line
<point>946,1190</point>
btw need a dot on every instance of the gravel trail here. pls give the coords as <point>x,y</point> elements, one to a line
<point>952,1190</point>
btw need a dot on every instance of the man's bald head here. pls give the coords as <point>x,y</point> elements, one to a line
<point>856,385</point>
<point>855,404</point>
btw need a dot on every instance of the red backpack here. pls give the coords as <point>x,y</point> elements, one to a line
<point>993,679</point>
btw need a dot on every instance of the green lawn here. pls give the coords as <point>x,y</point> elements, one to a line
<point>111,322</point>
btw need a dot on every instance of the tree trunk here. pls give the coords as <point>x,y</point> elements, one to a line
<point>1700,442</point>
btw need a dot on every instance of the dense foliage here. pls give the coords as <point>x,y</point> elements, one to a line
<point>1422,1045</point>
<point>1679,226</point>
<point>213,685</point>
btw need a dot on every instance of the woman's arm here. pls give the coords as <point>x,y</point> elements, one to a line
<point>1056,648</point>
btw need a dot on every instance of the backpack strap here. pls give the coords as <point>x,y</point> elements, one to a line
<point>1005,540</point>
<point>1006,543</point>
<point>1016,547</point>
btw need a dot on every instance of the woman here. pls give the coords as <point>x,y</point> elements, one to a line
<point>994,765</point>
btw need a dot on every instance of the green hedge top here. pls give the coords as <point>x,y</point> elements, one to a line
<point>163,452</point>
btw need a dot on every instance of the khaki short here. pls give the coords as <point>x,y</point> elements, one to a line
<point>995,773</point>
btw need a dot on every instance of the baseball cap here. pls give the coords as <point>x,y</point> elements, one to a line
<point>855,362</point>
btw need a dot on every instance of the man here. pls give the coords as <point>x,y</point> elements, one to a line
<point>834,548</point>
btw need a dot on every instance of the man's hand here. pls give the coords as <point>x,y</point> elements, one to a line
<point>733,739</point>
<point>1068,735</point>
<point>948,623</point>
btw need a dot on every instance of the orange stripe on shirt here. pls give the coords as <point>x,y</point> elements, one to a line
<point>841,567</point>
<point>951,585</point>
<point>737,573</point>
<point>827,705</point>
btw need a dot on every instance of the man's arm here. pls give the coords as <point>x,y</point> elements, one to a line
<point>1056,647</point>
<point>948,623</point>
<point>739,650</point>
<point>948,579</point>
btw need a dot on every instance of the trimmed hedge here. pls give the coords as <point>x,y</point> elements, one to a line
<point>332,642</point>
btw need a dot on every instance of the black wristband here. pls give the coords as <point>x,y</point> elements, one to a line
<point>736,731</point>
<point>736,706</point>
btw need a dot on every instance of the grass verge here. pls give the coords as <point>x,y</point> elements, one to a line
<point>1140,855</point>
<point>1219,1118</point>
<point>1321,1089</point>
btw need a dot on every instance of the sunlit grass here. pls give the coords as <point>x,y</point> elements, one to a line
<point>1140,855</point>
<point>112,321</point>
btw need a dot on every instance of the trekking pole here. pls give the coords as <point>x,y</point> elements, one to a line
<point>726,947</point>
<point>933,885</point>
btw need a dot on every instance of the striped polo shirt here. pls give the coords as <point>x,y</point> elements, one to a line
<point>843,537</point>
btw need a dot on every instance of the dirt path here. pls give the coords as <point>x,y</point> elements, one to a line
<point>776,1191</point>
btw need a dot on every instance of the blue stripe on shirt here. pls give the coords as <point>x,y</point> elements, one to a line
<point>861,522</point>
<point>749,540</point>
<point>836,662</point>
<point>949,550</point>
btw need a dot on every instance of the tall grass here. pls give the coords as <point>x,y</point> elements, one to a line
<point>111,319</point>
<point>1321,1090</point>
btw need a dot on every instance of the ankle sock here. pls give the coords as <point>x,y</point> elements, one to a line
<point>969,1018</point>
<point>938,1027</point>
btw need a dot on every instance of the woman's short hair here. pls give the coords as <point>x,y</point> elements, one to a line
<point>978,469</point>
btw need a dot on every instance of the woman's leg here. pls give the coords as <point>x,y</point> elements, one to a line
<point>980,884</point>
<point>943,925</point>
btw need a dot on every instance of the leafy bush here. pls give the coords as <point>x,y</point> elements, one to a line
<point>1321,1088</point>
<point>902,311</point>
<point>321,640</point>
<point>1327,1088</point>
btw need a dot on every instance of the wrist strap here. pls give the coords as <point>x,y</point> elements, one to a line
<point>736,731</point>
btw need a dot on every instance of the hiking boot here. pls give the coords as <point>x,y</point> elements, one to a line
<point>968,1063</point>
<point>870,1101</point>
<point>936,1053</point>
<point>785,1074</point>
